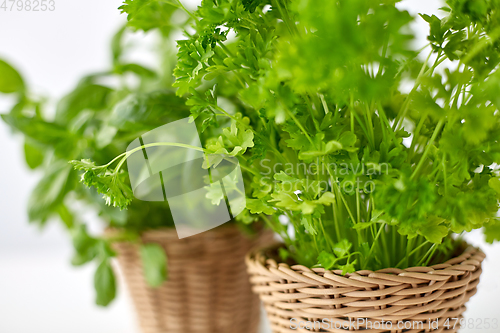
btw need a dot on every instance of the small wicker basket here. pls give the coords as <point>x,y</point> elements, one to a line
<point>207,289</point>
<point>417,299</point>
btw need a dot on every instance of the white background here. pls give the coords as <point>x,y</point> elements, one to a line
<point>39,290</point>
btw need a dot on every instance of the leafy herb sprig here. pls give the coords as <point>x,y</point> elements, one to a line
<point>95,122</point>
<point>352,168</point>
<point>366,173</point>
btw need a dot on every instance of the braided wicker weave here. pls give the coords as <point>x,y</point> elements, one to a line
<point>207,290</point>
<point>296,294</point>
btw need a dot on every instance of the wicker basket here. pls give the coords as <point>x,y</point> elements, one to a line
<point>207,290</point>
<point>320,300</point>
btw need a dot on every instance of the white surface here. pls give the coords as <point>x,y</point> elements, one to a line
<point>39,291</point>
<point>485,303</point>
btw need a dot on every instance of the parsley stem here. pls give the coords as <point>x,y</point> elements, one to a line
<point>413,252</point>
<point>335,217</point>
<point>299,125</point>
<point>374,244</point>
<point>358,203</point>
<point>409,243</point>
<point>385,255</point>
<point>342,198</point>
<point>323,102</point>
<point>365,130</point>
<point>311,111</point>
<point>286,18</point>
<point>427,256</point>
<point>127,154</point>
<point>416,135</point>
<point>402,114</point>
<point>428,147</point>
<point>386,121</point>
<point>443,162</point>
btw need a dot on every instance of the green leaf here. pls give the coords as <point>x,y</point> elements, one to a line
<point>105,283</point>
<point>251,5</point>
<point>41,132</point>
<point>332,146</point>
<point>342,248</point>
<point>67,217</point>
<point>105,136</point>
<point>34,156</point>
<point>326,260</point>
<point>284,254</point>
<point>494,183</point>
<point>85,246</point>
<point>257,206</point>
<point>146,109</point>
<point>215,194</point>
<point>492,231</point>
<point>112,185</point>
<point>349,267</point>
<point>86,96</point>
<point>154,261</point>
<point>149,14</point>
<point>192,64</point>
<point>117,44</point>
<point>434,231</point>
<point>376,218</point>
<point>50,192</point>
<point>307,222</point>
<point>291,202</point>
<point>347,140</point>
<point>136,69</point>
<point>326,199</point>
<point>10,80</point>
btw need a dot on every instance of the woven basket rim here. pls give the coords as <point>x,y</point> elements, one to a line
<point>416,293</point>
<point>227,228</point>
<point>171,232</point>
<point>257,258</point>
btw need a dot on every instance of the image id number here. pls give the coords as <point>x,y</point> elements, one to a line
<point>27,5</point>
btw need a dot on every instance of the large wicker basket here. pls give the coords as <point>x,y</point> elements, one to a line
<point>417,299</point>
<point>207,289</point>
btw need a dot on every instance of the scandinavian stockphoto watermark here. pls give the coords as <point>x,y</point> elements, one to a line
<point>316,174</point>
<point>356,324</point>
<point>169,164</point>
